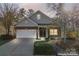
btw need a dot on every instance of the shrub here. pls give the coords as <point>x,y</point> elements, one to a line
<point>72,35</point>
<point>47,39</point>
<point>42,48</point>
<point>8,37</point>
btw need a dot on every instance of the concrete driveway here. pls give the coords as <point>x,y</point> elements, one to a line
<point>17,47</point>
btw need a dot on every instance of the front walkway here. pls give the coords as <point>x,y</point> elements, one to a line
<point>17,47</point>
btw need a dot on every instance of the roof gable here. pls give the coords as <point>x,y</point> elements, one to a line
<point>44,19</point>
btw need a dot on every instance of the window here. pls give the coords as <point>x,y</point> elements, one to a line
<point>38,17</point>
<point>42,32</point>
<point>53,31</point>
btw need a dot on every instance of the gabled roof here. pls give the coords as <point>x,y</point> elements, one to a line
<point>44,20</point>
<point>26,22</point>
<point>32,21</point>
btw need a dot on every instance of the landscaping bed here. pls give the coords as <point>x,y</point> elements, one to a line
<point>51,48</point>
<point>43,48</point>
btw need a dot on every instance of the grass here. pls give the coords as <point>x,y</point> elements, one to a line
<point>5,38</point>
<point>3,41</point>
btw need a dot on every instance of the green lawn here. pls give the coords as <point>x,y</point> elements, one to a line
<point>3,41</point>
<point>5,38</point>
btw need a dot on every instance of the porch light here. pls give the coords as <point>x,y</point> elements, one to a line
<point>53,31</point>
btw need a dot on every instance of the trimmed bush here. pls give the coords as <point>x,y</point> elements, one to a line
<point>42,48</point>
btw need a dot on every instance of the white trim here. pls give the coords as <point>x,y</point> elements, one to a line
<point>46,32</point>
<point>26,33</point>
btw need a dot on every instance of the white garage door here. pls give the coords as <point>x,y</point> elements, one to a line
<point>26,33</point>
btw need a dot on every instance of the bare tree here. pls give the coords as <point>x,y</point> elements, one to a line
<point>68,20</point>
<point>21,13</point>
<point>74,19</point>
<point>74,16</point>
<point>61,15</point>
<point>8,13</point>
<point>29,12</point>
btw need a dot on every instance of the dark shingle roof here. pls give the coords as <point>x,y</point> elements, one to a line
<point>32,20</point>
<point>44,20</point>
<point>26,22</point>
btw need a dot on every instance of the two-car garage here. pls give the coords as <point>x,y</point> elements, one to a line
<point>26,29</point>
<point>26,33</point>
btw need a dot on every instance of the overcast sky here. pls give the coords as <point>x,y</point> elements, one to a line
<point>42,7</point>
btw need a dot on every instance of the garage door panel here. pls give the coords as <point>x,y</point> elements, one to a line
<point>26,33</point>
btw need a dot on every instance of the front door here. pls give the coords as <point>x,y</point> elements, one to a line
<point>42,32</point>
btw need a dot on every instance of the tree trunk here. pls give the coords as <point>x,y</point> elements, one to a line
<point>8,31</point>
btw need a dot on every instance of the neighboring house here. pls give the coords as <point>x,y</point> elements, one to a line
<point>37,26</point>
